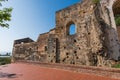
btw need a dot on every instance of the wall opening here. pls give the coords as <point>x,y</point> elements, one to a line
<point>116,11</point>
<point>72,29</point>
<point>45,48</point>
<point>57,51</point>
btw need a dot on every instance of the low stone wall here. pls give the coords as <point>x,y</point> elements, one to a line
<point>99,71</point>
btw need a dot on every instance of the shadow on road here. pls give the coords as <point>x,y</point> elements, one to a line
<point>8,75</point>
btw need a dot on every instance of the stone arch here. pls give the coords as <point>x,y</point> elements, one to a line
<point>112,35</point>
<point>116,12</point>
<point>69,27</point>
<point>116,7</point>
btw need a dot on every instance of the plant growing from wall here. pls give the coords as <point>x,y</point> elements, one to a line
<point>95,1</point>
<point>117,20</point>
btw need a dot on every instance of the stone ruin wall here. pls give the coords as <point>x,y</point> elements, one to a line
<point>90,45</point>
<point>78,48</point>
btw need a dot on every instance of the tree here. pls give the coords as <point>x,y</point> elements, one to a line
<point>5,15</point>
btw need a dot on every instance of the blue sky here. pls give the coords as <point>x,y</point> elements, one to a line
<point>29,19</point>
<point>72,29</point>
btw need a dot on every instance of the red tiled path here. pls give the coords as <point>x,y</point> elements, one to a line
<point>22,71</point>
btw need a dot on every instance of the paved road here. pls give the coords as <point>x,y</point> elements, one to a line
<point>22,71</point>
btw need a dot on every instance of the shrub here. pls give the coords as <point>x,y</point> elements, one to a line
<point>5,60</point>
<point>116,66</point>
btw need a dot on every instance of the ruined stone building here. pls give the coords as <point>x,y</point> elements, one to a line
<point>95,42</point>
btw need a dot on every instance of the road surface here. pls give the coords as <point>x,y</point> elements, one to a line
<point>22,71</point>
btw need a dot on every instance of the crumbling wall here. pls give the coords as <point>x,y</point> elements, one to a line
<point>80,48</point>
<point>27,51</point>
<point>52,49</point>
<point>106,20</point>
<point>95,42</point>
<point>42,43</point>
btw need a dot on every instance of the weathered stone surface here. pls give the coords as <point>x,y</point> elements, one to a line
<point>95,42</point>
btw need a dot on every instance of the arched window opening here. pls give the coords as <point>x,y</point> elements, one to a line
<point>116,11</point>
<point>72,29</point>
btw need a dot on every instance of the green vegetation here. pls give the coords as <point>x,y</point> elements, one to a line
<point>116,66</point>
<point>117,20</point>
<point>5,60</point>
<point>95,1</point>
<point>5,15</point>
